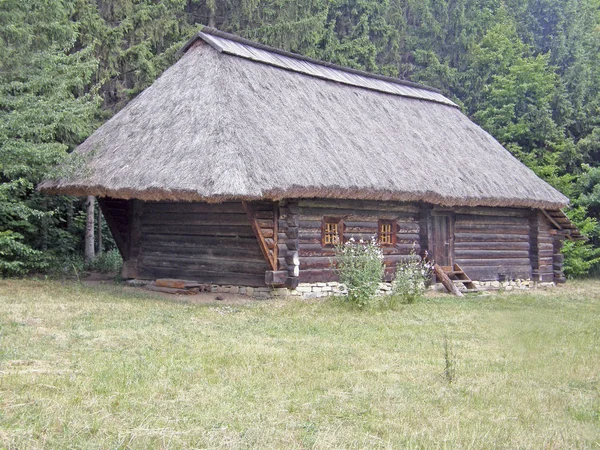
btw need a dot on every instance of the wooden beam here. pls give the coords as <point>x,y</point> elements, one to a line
<point>260,237</point>
<point>554,222</point>
<point>446,281</point>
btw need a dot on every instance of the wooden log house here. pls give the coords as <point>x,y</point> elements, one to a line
<point>245,165</point>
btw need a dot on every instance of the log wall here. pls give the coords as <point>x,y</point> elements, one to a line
<point>542,235</point>
<point>360,219</point>
<point>215,243</point>
<point>493,243</point>
<point>209,243</point>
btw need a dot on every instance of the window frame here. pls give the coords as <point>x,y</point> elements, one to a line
<point>340,231</point>
<point>392,233</point>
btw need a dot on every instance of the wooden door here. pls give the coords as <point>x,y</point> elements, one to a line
<point>442,239</point>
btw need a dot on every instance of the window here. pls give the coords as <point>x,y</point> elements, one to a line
<point>332,231</point>
<point>386,233</point>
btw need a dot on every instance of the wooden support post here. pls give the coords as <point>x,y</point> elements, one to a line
<point>446,281</point>
<point>270,257</point>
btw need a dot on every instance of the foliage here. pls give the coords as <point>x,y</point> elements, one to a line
<point>46,107</point>
<point>582,257</point>
<point>360,268</point>
<point>107,262</point>
<point>412,278</point>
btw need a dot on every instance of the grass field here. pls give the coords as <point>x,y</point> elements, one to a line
<point>103,367</point>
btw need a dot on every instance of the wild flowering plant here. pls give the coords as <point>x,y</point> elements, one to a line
<point>360,268</point>
<point>412,277</point>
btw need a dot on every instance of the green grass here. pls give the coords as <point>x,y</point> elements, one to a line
<point>106,368</point>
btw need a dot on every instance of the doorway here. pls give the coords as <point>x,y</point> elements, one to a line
<point>442,238</point>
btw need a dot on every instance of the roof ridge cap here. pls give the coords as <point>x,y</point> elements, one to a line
<point>222,34</point>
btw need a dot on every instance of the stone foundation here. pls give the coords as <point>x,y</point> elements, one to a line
<point>318,290</point>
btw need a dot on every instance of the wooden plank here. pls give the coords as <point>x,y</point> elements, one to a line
<point>443,278</point>
<point>482,237</point>
<point>484,211</point>
<point>357,205</point>
<point>193,207</point>
<point>204,276</point>
<point>203,264</point>
<point>176,283</point>
<point>475,245</point>
<point>504,262</point>
<point>233,253</point>
<point>195,219</point>
<point>354,214</point>
<point>168,290</point>
<point>492,228</point>
<point>152,239</point>
<point>491,254</point>
<point>199,230</point>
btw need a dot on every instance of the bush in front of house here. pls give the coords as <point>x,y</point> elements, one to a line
<point>411,281</point>
<point>360,268</point>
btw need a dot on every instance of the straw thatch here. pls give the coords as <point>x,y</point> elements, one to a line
<point>216,126</point>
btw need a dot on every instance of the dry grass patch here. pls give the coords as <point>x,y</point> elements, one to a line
<point>103,367</point>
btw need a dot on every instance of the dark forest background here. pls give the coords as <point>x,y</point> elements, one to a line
<point>528,71</point>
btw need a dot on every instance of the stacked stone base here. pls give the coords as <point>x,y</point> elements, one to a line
<point>319,290</point>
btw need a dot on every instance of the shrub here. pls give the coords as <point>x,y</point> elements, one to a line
<point>107,262</point>
<point>360,268</point>
<point>412,278</point>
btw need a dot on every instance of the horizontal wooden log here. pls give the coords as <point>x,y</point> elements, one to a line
<point>202,263</point>
<point>292,258</point>
<point>204,276</point>
<point>292,220</point>
<point>491,229</point>
<point>292,232</point>
<point>292,244</point>
<point>183,218</point>
<point>276,278</point>
<point>462,220</point>
<point>199,230</point>
<point>176,207</point>
<point>484,237</point>
<point>317,214</point>
<point>176,283</point>
<point>293,270</point>
<point>168,290</point>
<point>165,240</point>
<point>324,262</point>
<point>292,282</point>
<point>358,205</point>
<point>265,215</point>
<point>504,263</point>
<point>265,223</point>
<point>491,273</point>
<point>252,253</point>
<point>475,245</point>
<point>490,254</point>
<point>484,211</point>
<point>318,276</point>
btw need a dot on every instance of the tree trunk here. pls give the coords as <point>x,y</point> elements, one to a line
<point>99,251</point>
<point>89,230</point>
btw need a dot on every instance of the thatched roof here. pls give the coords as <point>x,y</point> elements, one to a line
<point>236,120</point>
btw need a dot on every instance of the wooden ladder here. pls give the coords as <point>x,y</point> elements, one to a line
<point>452,277</point>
